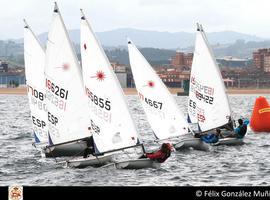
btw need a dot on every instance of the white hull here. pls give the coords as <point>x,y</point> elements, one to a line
<point>229,141</point>
<point>194,143</point>
<point>70,149</point>
<point>135,164</point>
<point>89,161</point>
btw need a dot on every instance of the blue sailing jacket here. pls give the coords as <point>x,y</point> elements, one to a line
<point>241,130</point>
<point>210,138</point>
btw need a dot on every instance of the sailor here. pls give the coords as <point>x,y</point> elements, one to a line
<point>161,155</point>
<point>211,137</point>
<point>241,130</point>
<point>90,147</point>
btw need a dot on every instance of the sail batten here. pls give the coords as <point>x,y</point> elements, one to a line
<point>162,112</point>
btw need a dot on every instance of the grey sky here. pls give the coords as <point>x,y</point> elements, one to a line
<point>246,16</point>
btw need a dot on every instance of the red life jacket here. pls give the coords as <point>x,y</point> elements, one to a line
<point>159,156</point>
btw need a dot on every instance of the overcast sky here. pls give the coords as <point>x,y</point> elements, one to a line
<point>246,16</point>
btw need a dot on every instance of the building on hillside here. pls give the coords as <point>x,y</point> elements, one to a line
<point>173,77</point>
<point>261,59</point>
<point>266,63</point>
<point>122,77</point>
<point>182,60</point>
<point>121,73</point>
<point>229,82</point>
<point>232,62</point>
<point>3,66</point>
<point>117,67</point>
<point>249,77</point>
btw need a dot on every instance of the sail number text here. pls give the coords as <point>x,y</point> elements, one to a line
<point>39,127</point>
<point>192,104</point>
<point>194,110</point>
<point>36,98</point>
<point>97,100</point>
<point>35,93</point>
<point>52,119</point>
<point>150,102</point>
<point>62,93</point>
<point>95,127</point>
<point>205,98</point>
<point>38,122</point>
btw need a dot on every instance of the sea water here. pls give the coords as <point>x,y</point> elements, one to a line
<point>21,163</point>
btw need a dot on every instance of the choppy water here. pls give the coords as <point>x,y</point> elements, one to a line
<point>20,162</point>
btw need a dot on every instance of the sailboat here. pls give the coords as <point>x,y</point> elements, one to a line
<point>34,58</point>
<point>162,111</point>
<point>67,109</point>
<point>208,104</point>
<point>113,127</point>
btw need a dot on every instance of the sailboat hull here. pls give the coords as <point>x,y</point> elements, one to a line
<point>135,164</point>
<point>194,143</point>
<point>90,161</point>
<point>70,149</point>
<point>229,141</point>
<point>197,144</point>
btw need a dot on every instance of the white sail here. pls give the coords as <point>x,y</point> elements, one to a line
<point>160,107</point>
<point>208,102</point>
<point>68,112</point>
<point>34,58</point>
<point>110,118</point>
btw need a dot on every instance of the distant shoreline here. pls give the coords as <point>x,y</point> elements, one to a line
<point>133,91</point>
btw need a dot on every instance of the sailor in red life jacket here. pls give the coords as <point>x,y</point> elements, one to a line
<point>160,155</point>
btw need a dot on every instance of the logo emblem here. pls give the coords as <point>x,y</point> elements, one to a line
<point>100,76</point>
<point>263,110</point>
<point>150,84</point>
<point>65,66</point>
<point>15,193</point>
